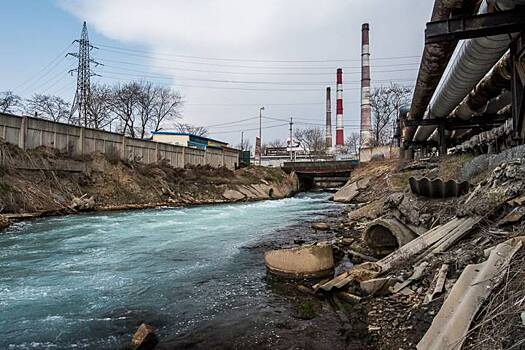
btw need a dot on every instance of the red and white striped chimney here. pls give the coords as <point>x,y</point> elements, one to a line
<point>328,118</point>
<point>339,126</point>
<point>366,123</point>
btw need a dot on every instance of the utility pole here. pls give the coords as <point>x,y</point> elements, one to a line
<point>83,92</point>
<point>260,134</point>
<point>242,140</point>
<point>291,139</point>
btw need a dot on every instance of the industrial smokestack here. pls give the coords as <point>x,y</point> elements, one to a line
<point>328,118</point>
<point>339,127</point>
<point>366,120</point>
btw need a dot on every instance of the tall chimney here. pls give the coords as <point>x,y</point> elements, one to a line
<point>366,123</point>
<point>339,127</point>
<point>328,118</point>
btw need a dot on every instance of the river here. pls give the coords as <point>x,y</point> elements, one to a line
<point>196,274</point>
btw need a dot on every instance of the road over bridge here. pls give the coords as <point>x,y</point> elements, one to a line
<point>322,174</point>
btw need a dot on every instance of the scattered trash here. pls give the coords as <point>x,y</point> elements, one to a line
<point>439,280</point>
<point>418,273</point>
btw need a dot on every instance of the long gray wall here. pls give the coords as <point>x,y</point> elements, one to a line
<point>29,133</point>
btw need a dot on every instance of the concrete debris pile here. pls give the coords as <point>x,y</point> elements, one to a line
<point>83,203</point>
<point>442,262</point>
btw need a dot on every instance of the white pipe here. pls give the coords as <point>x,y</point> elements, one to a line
<point>474,59</point>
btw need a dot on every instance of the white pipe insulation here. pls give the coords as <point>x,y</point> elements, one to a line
<point>474,59</point>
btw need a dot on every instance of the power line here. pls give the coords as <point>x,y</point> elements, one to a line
<point>328,69</point>
<point>298,83</point>
<point>415,69</point>
<point>47,68</point>
<point>229,65</point>
<point>325,60</point>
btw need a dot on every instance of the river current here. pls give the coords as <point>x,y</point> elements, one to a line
<point>88,281</point>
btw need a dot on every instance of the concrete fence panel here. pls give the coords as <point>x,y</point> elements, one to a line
<point>30,133</point>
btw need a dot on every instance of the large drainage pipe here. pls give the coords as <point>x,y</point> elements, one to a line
<point>434,60</point>
<point>473,61</point>
<point>385,235</point>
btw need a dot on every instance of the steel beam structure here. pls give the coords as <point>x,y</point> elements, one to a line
<point>469,27</point>
<point>484,122</point>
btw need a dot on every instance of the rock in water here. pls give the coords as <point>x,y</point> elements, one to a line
<point>144,338</point>
<point>321,226</point>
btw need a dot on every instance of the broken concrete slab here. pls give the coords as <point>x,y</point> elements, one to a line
<point>476,282</point>
<point>309,261</point>
<point>349,191</point>
<point>376,286</point>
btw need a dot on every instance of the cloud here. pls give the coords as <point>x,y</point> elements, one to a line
<point>259,29</point>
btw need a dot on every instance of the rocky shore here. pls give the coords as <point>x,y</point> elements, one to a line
<point>394,294</point>
<point>44,182</point>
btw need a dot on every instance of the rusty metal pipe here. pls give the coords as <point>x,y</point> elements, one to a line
<point>434,61</point>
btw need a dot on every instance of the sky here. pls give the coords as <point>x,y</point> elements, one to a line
<point>227,58</point>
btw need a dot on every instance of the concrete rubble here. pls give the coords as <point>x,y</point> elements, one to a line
<point>424,268</point>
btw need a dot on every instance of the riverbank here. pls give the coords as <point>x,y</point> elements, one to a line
<point>44,182</point>
<point>393,301</point>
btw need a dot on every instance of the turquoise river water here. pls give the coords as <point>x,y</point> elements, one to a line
<point>88,281</point>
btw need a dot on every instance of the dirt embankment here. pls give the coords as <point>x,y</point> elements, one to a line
<point>394,306</point>
<point>45,182</point>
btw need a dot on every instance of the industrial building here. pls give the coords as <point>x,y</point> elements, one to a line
<point>187,140</point>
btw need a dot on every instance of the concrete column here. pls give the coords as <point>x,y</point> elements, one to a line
<point>22,133</point>
<point>81,139</point>
<point>156,152</point>
<point>123,155</point>
<point>183,157</point>
<point>223,161</point>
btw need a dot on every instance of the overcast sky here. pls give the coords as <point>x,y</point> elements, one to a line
<point>244,49</point>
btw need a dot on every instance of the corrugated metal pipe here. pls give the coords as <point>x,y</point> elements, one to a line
<point>433,62</point>
<point>473,61</point>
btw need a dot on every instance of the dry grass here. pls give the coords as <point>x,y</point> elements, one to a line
<point>498,325</point>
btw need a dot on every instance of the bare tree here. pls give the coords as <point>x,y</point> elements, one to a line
<point>124,103</point>
<point>9,102</point>
<point>245,146</point>
<point>313,140</point>
<point>99,107</point>
<point>167,107</point>
<point>385,102</point>
<point>141,106</point>
<point>50,107</point>
<point>277,143</point>
<point>191,129</point>
<point>352,142</point>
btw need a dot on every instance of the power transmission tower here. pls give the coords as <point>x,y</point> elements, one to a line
<point>83,92</point>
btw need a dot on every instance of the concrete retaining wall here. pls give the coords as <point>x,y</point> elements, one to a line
<point>29,133</point>
<point>387,152</point>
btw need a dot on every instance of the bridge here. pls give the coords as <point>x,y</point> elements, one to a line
<point>321,174</point>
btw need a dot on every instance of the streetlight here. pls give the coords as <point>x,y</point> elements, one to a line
<point>260,134</point>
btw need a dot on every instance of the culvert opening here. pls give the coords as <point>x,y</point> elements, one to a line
<point>270,193</point>
<point>381,240</point>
